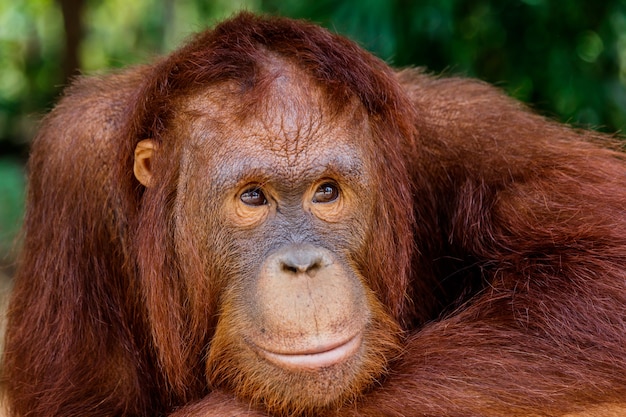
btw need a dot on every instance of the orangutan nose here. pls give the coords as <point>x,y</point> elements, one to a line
<point>303,259</point>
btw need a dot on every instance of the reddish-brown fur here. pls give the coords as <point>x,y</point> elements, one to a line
<point>500,244</point>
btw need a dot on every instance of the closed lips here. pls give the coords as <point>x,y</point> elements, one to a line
<point>319,357</point>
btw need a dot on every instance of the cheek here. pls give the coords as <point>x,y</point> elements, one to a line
<point>203,247</point>
<point>241,216</point>
<point>350,236</point>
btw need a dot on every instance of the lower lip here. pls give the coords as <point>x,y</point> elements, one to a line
<point>315,359</point>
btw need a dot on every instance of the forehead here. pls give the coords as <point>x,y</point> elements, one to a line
<point>285,125</point>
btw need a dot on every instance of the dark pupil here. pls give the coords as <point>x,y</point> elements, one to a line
<point>326,193</point>
<point>253,197</point>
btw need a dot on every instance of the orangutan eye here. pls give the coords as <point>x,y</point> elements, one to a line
<point>326,193</point>
<point>253,196</point>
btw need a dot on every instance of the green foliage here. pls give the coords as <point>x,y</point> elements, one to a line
<point>30,47</point>
<point>11,203</point>
<point>122,32</point>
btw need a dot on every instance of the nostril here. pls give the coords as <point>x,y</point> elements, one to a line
<point>301,261</point>
<point>300,267</point>
<point>289,268</point>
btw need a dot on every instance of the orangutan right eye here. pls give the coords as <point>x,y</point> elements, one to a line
<point>253,196</point>
<point>326,193</point>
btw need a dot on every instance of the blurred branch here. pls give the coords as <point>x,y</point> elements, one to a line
<point>72,21</point>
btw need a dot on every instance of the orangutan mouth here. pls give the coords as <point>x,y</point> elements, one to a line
<point>321,356</point>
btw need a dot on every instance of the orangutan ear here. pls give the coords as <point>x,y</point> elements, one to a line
<point>143,161</point>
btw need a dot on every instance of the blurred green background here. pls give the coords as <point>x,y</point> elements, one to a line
<point>566,58</point>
